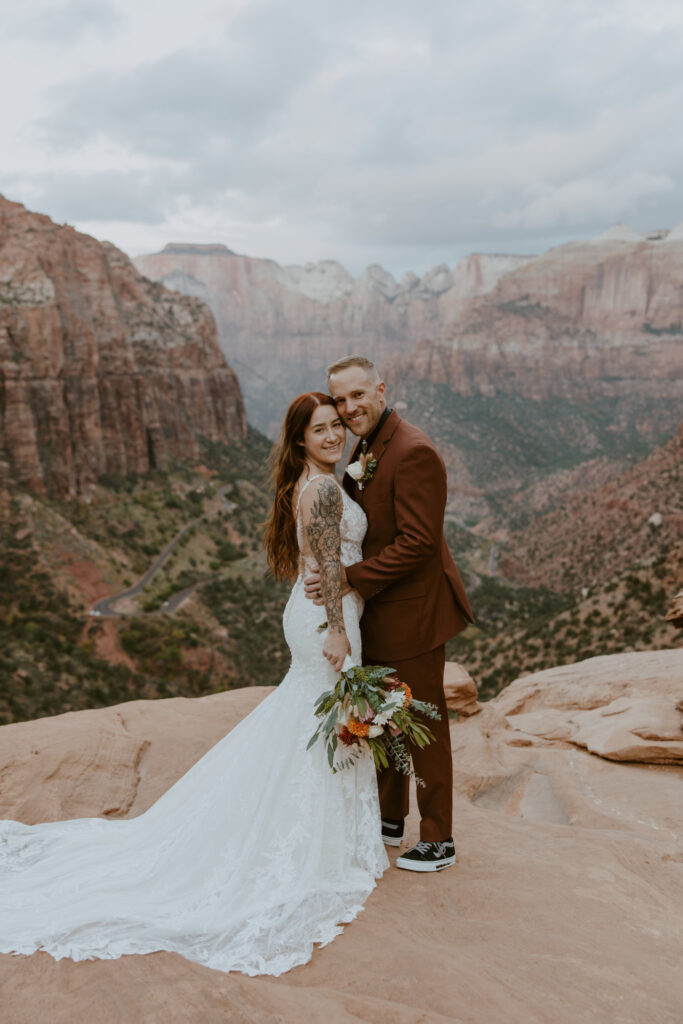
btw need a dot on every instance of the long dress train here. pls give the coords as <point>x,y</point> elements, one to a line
<point>254,855</point>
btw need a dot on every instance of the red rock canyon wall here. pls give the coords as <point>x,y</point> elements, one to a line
<point>101,371</point>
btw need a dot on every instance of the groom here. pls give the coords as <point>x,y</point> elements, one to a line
<point>414,597</point>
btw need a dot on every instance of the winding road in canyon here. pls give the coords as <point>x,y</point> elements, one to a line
<point>106,606</point>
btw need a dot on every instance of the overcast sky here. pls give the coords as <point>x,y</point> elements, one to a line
<point>367,131</point>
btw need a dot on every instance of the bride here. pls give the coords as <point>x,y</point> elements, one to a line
<point>259,850</point>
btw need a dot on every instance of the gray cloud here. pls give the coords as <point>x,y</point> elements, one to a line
<point>61,23</point>
<point>175,107</point>
<point>130,196</point>
<point>377,129</point>
<point>192,102</point>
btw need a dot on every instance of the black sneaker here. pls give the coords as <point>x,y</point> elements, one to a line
<point>392,831</point>
<point>428,856</point>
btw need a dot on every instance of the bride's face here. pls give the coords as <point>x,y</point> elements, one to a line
<point>324,437</point>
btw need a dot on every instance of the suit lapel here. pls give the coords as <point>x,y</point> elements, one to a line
<point>379,445</point>
<point>355,453</point>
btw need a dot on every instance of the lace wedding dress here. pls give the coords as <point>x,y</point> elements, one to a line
<point>255,854</point>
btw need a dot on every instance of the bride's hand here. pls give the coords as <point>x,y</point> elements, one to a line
<point>336,647</point>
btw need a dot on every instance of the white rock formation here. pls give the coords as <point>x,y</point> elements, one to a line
<point>617,233</point>
<point>323,281</point>
<point>676,235</point>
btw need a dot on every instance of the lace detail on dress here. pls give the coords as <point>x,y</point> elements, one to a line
<point>254,855</point>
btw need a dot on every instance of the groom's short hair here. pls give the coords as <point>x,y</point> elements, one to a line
<point>362,361</point>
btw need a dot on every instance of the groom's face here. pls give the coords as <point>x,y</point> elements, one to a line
<point>359,397</point>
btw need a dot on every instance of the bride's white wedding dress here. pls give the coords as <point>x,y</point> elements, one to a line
<point>255,854</point>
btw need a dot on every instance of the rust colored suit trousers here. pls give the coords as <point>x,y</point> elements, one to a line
<point>433,764</point>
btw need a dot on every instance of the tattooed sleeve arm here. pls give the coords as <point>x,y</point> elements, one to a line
<point>321,515</point>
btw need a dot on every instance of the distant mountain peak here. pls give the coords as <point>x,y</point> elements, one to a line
<point>198,249</point>
<point>676,235</point>
<point>618,232</point>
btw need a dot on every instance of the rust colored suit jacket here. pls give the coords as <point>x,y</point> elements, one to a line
<point>414,597</point>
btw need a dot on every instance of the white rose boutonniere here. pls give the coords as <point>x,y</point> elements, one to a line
<point>361,471</point>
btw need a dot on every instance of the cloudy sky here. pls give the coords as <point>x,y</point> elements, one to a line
<point>359,130</point>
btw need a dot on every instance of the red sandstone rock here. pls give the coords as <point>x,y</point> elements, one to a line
<point>101,371</point>
<point>565,904</point>
<point>675,612</point>
<point>461,690</point>
<point>603,318</point>
<point>621,707</point>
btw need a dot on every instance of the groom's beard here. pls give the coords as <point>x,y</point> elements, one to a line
<point>359,433</point>
<point>367,431</point>
<point>372,433</point>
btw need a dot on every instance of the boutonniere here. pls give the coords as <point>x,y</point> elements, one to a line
<point>361,471</point>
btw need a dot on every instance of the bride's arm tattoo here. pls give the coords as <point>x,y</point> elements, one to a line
<point>323,534</point>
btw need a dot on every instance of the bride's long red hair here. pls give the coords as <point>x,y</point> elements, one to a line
<point>288,460</point>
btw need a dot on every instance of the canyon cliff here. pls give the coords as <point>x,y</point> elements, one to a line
<point>101,370</point>
<point>569,367</point>
<point>598,318</point>
<point>281,326</point>
<point>590,322</point>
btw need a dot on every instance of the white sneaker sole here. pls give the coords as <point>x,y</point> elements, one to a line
<point>392,840</point>
<point>416,865</point>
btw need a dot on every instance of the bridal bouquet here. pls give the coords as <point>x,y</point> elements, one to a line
<point>369,708</point>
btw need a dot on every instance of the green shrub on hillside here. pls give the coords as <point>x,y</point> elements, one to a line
<point>252,612</point>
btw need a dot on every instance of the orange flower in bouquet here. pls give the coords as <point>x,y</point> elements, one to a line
<point>347,737</point>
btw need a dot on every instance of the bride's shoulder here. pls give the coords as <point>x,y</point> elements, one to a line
<point>321,493</point>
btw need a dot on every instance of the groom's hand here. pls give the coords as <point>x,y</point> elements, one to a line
<point>313,590</point>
